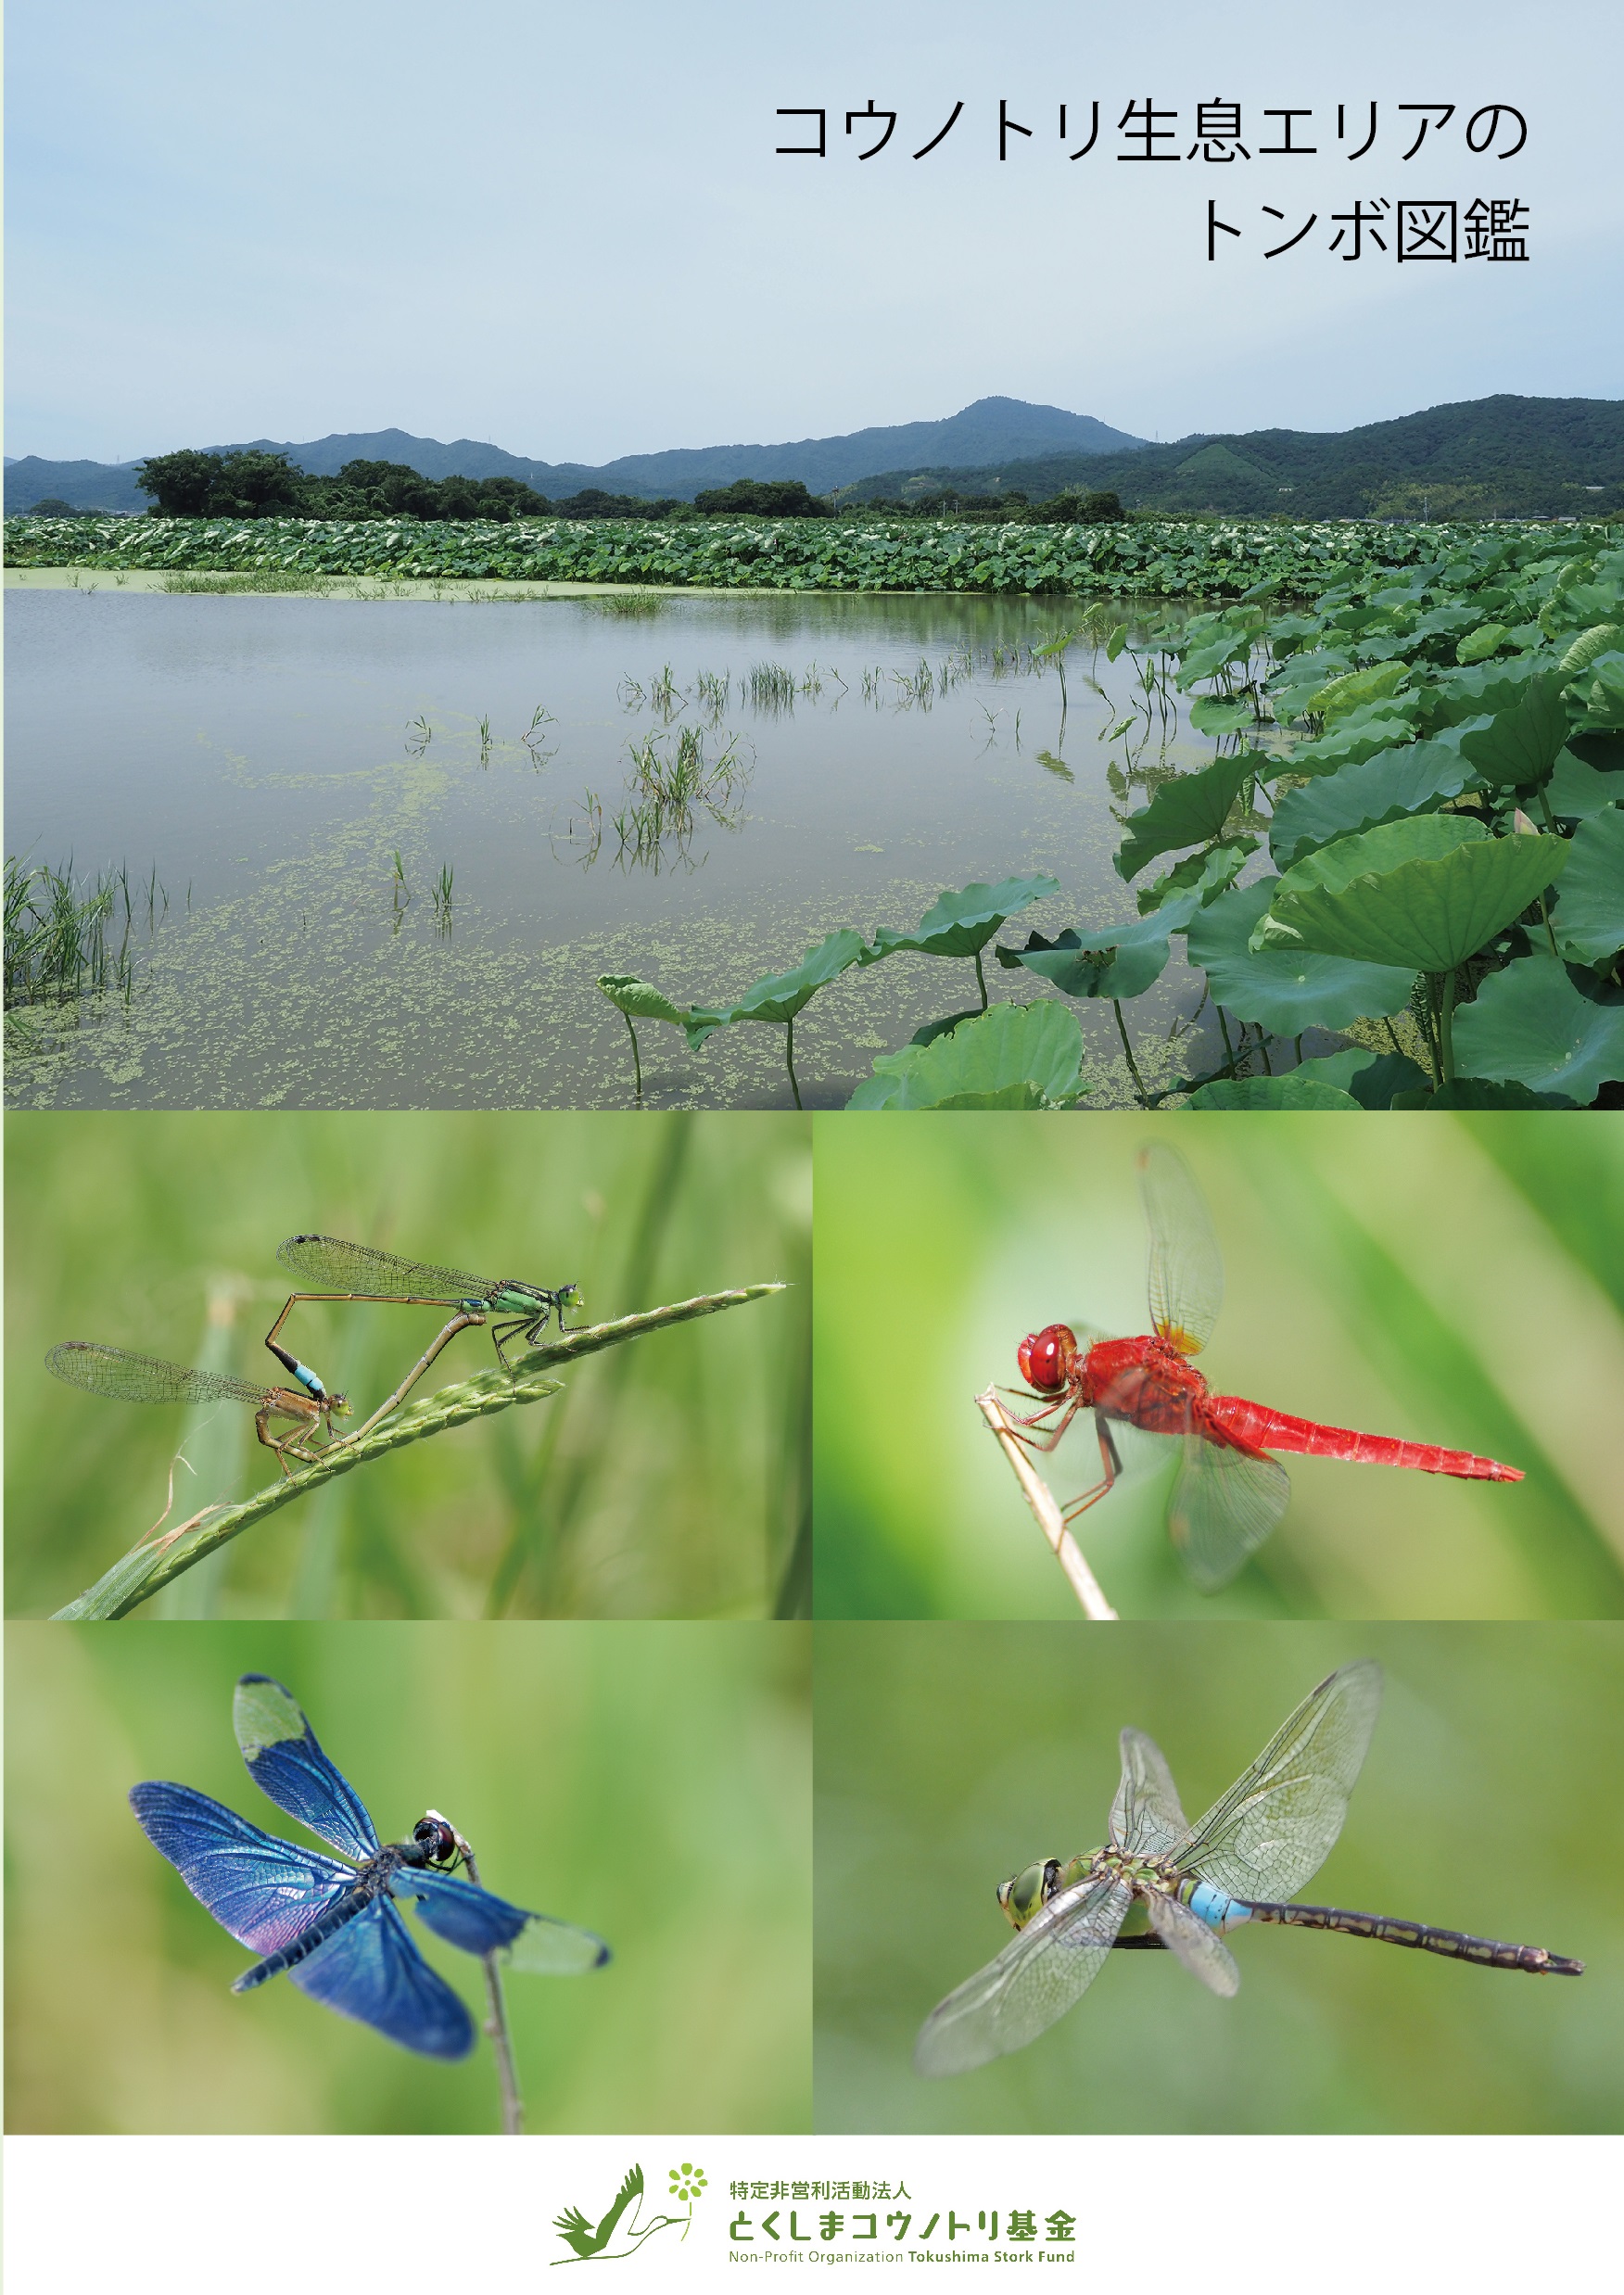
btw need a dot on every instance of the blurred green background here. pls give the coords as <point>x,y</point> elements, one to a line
<point>950,1756</point>
<point>651,1781</point>
<point>670,1477</point>
<point>1449,1279</point>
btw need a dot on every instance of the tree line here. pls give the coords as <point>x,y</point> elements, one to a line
<point>253,484</point>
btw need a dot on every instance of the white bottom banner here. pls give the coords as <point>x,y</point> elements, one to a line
<point>238,2215</point>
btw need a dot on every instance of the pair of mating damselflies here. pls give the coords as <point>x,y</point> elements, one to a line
<point>345,1273</point>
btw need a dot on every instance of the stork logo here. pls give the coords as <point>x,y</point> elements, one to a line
<point>622,2229</point>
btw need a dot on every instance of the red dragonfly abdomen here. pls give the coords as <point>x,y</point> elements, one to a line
<point>1252,1427</point>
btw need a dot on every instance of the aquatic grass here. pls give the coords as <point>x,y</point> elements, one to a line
<point>62,937</point>
<point>770,688</point>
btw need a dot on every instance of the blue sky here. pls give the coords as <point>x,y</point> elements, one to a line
<point>565,229</point>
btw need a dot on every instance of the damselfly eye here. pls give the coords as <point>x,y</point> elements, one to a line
<point>435,1836</point>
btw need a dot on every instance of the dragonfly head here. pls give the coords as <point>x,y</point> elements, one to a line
<point>437,1836</point>
<point>1027,1893</point>
<point>1046,1358</point>
<point>338,1405</point>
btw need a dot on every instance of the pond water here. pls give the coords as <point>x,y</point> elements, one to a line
<point>303,772</point>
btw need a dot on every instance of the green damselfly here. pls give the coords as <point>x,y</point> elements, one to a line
<point>344,1273</point>
<point>128,1377</point>
<point>1162,1881</point>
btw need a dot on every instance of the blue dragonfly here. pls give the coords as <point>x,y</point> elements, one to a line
<point>336,1929</point>
<point>1163,1884</point>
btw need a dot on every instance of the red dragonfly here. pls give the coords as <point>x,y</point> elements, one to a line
<point>1230,1494</point>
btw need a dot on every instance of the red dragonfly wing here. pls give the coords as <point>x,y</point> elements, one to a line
<point>1186,1274</point>
<point>1224,1505</point>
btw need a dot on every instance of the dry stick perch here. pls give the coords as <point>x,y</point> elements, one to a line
<point>1050,1521</point>
<point>158,1560</point>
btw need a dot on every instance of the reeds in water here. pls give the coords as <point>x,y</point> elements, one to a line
<point>65,939</point>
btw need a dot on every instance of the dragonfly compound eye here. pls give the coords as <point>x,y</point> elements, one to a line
<point>1046,1356</point>
<point>436,1837</point>
<point>1028,1892</point>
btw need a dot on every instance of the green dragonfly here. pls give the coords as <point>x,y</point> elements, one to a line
<point>354,1273</point>
<point>1169,1884</point>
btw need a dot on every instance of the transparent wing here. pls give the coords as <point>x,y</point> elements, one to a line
<point>1145,1819</point>
<point>1276,1825</point>
<point>1186,1273</point>
<point>332,1265</point>
<point>372,1972</point>
<point>262,1891</point>
<point>474,1921</point>
<point>1203,1953</point>
<point>288,1765</point>
<point>127,1378</point>
<point>1035,1979</point>
<point>1224,1505</point>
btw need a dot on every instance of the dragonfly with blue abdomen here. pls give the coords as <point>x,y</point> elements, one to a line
<point>1160,1882</point>
<point>336,1929</point>
<point>128,1377</point>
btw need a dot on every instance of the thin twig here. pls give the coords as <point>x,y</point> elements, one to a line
<point>146,1568</point>
<point>1050,1521</point>
<point>496,2024</point>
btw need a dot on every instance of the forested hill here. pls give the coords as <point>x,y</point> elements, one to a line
<point>1503,456</point>
<point>978,432</point>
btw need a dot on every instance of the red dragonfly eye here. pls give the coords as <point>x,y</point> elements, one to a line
<point>1045,1358</point>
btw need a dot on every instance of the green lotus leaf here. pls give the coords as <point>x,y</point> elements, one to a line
<point>1424,893</point>
<point>1533,1024</point>
<point>638,999</point>
<point>1356,689</point>
<point>1479,1093</point>
<point>960,925</point>
<point>1015,1055</point>
<point>1191,810</point>
<point>1210,713</point>
<point>1207,874</point>
<point>1578,790</point>
<point>1481,691</point>
<point>1286,991</point>
<point>1288,1091</point>
<point>1390,786</point>
<point>1518,746</point>
<point>781,994</point>
<point>1589,917</point>
<point>1119,960</point>
<point>1363,735</point>
<point>1482,643</point>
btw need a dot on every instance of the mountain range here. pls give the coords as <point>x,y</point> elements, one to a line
<point>1499,456</point>
<point>987,431</point>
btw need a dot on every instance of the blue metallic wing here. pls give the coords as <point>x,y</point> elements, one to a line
<point>262,1891</point>
<point>286,1762</point>
<point>372,1972</point>
<point>473,1921</point>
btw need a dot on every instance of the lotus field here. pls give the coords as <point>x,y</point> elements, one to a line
<point>1171,558</point>
<point>1411,833</point>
